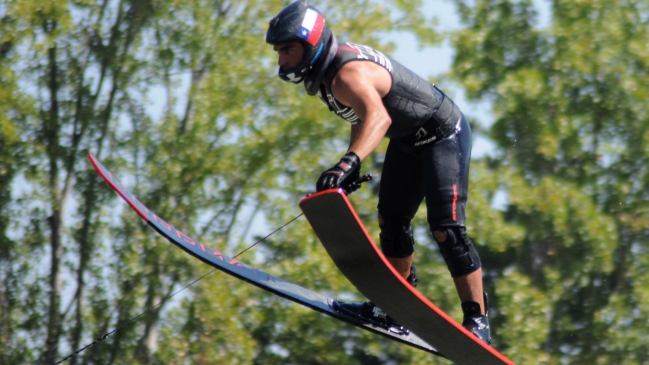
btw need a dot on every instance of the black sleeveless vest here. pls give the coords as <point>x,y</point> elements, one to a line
<point>417,108</point>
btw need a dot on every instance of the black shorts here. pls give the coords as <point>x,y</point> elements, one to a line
<point>438,171</point>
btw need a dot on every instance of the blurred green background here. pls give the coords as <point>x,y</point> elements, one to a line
<point>181,101</point>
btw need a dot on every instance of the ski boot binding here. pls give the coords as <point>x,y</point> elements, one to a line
<point>475,322</point>
<point>370,313</point>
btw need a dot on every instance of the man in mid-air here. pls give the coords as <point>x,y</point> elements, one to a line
<point>427,157</point>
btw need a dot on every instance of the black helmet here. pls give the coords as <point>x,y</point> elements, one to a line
<point>300,22</point>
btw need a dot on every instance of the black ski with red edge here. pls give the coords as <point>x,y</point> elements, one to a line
<point>247,273</point>
<point>351,248</point>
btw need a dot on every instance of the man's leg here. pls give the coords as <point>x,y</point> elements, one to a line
<point>468,285</point>
<point>402,265</point>
<point>469,289</point>
<point>446,178</point>
<point>398,245</point>
<point>400,194</point>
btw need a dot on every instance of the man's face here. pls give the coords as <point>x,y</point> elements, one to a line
<point>289,55</point>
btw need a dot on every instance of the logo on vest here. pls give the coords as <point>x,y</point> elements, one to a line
<point>368,53</point>
<point>421,133</point>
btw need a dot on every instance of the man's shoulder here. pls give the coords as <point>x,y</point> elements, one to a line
<point>356,77</point>
<point>348,52</point>
<point>357,50</point>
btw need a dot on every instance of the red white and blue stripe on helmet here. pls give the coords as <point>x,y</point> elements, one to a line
<point>312,27</point>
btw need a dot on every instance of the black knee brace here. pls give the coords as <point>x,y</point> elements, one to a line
<point>396,237</point>
<point>458,251</point>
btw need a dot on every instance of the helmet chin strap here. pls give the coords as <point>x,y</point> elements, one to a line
<point>290,76</point>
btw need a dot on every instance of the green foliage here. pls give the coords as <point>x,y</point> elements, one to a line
<point>571,129</point>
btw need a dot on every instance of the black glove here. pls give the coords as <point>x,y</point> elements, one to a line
<point>344,173</point>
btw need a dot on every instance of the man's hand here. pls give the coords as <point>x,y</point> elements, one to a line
<point>345,172</point>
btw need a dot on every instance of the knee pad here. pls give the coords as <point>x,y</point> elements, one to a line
<point>458,251</point>
<point>396,237</point>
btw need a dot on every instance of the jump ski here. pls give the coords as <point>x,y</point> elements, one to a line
<point>249,274</point>
<point>347,242</point>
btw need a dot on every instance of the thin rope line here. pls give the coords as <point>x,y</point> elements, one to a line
<point>270,234</point>
<point>107,334</point>
<point>133,319</point>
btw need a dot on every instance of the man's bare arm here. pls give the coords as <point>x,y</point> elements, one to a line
<point>362,85</point>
